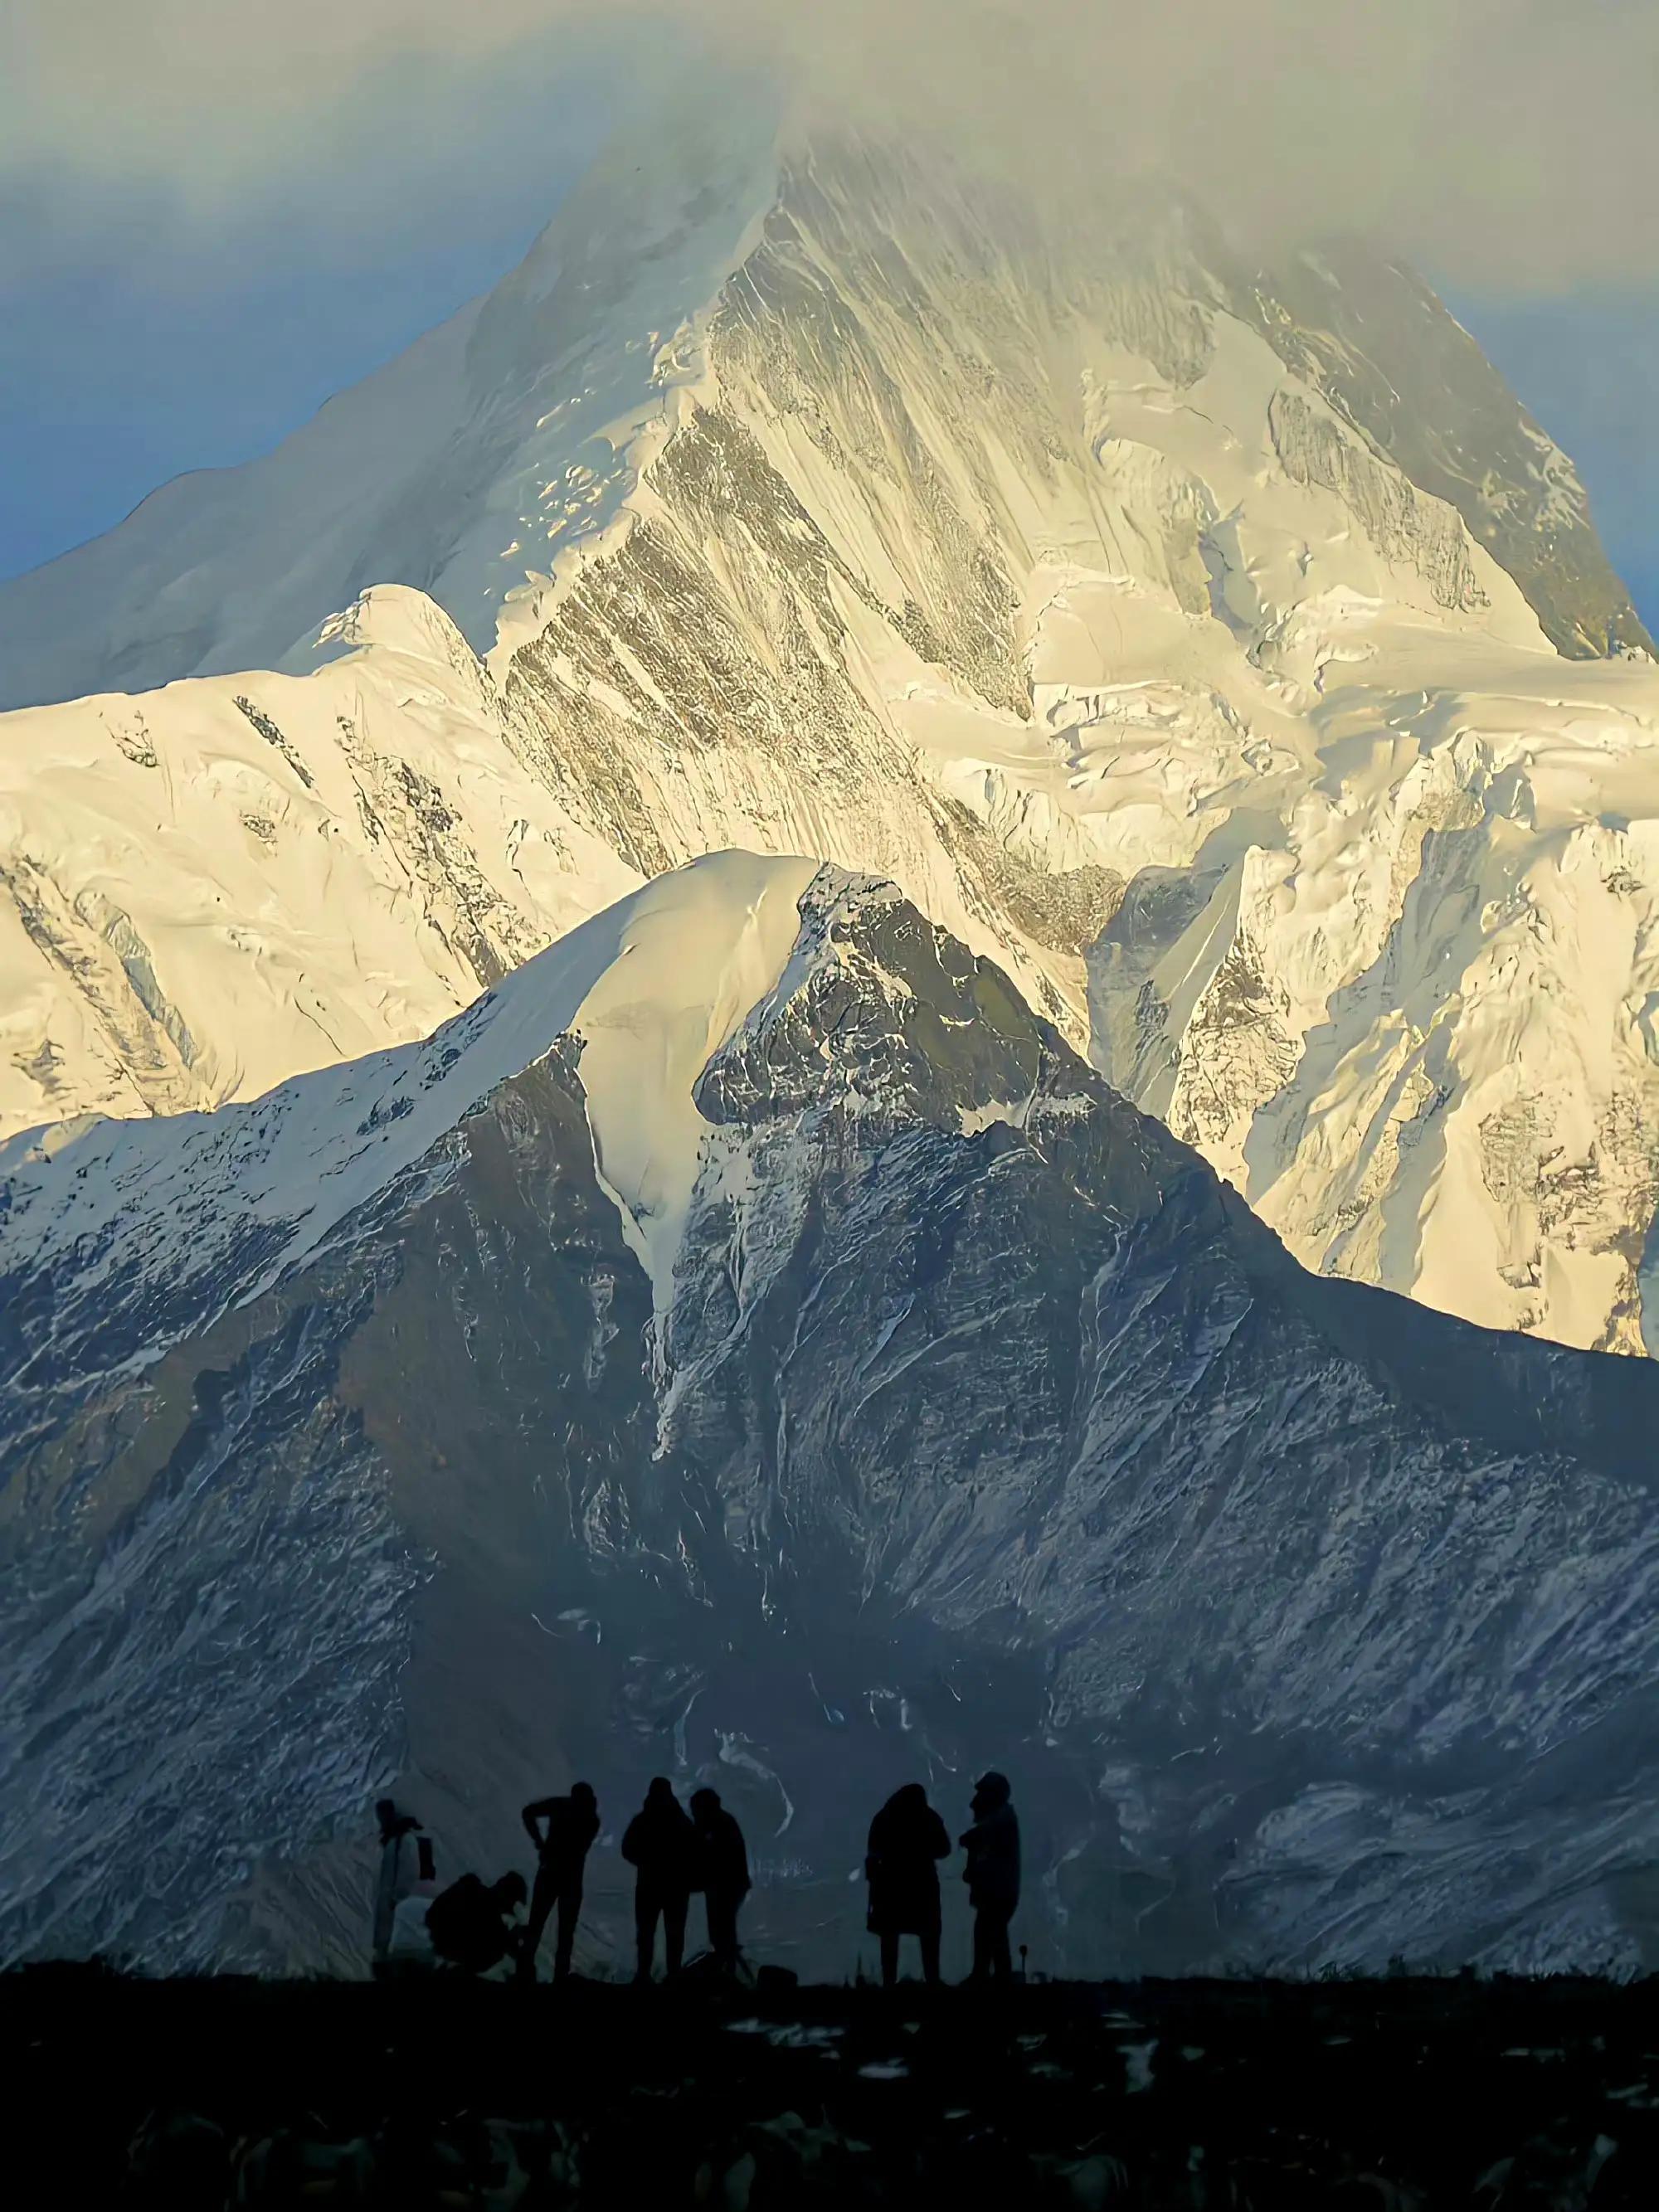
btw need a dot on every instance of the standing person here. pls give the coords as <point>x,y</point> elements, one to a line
<point>992,1875</point>
<point>907,1839</point>
<point>661,1845</point>
<point>401,1855</point>
<point>723,1864</point>
<point>563,1830</point>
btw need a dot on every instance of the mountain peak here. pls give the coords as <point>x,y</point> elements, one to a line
<point>1217,649</point>
<point>375,1442</point>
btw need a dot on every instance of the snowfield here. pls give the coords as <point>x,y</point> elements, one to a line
<point>1241,696</point>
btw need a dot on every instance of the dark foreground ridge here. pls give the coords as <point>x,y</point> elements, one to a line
<point>1392,2095</point>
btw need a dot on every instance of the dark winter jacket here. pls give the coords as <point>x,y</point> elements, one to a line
<point>722,1858</point>
<point>469,1926</point>
<point>662,1844</point>
<point>563,1844</point>
<point>907,1838</point>
<point>993,1847</point>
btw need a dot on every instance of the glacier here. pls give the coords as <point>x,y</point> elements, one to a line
<point>1220,649</point>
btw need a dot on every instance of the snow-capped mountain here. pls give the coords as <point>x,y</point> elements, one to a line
<point>1206,644</point>
<point>749,1344</point>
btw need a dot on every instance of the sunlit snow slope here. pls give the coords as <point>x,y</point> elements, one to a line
<point>1214,648</point>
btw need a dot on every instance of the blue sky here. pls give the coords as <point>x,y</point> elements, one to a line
<point>139,339</point>
<point>1588,367</point>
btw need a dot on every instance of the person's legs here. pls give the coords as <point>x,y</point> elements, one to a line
<point>889,1958</point>
<point>1002,1964</point>
<point>541,1904</point>
<point>992,1960</point>
<point>674,1911</point>
<point>570,1908</point>
<point>982,1943</point>
<point>928,1938</point>
<point>646,1909</point>
<point>722,1915</point>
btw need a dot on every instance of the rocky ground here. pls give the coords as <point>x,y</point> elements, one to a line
<point>1399,2094</point>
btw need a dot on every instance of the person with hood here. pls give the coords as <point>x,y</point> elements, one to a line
<point>470,1925</point>
<point>563,1830</point>
<point>661,1845</point>
<point>907,1840</point>
<point>992,1875</point>
<point>723,1869</point>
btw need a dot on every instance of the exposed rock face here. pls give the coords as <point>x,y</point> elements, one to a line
<point>1183,638</point>
<point>933,1406</point>
<point>1375,341</point>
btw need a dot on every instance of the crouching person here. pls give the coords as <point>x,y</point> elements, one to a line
<point>473,1926</point>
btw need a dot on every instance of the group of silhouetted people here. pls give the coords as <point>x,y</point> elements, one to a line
<point>472,1927</point>
<point>906,1841</point>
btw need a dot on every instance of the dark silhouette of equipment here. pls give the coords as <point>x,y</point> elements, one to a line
<point>722,1874</point>
<point>661,1845</point>
<point>992,1875</point>
<point>907,1840</point>
<point>562,1829</point>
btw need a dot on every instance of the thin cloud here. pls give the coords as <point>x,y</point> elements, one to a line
<point>1504,143</point>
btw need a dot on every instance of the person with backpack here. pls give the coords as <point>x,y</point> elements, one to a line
<point>562,1829</point>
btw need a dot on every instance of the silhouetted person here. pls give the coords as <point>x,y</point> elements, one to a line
<point>723,1871</point>
<point>992,1876</point>
<point>563,1830</point>
<point>470,1924</point>
<point>661,1845</point>
<point>405,1862</point>
<point>907,1840</point>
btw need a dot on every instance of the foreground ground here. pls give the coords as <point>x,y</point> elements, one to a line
<point>1389,2095</point>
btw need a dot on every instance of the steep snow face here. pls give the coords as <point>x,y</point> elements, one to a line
<point>211,887</point>
<point>652,987</point>
<point>496,427</point>
<point>963,1418</point>
<point>1122,606</point>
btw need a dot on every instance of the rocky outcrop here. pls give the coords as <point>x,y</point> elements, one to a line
<point>933,1408</point>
